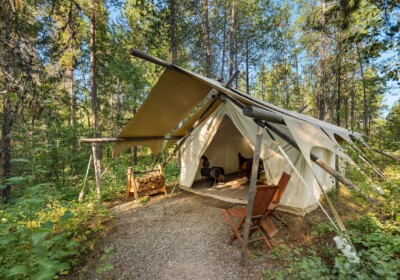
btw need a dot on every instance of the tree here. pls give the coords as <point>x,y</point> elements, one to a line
<point>19,61</point>
<point>93,89</point>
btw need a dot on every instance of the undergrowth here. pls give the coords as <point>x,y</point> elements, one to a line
<point>375,235</point>
<point>44,231</point>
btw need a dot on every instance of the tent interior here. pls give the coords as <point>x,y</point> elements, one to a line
<point>223,152</point>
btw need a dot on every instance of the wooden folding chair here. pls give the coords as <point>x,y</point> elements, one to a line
<point>283,181</point>
<point>266,223</point>
<point>263,198</point>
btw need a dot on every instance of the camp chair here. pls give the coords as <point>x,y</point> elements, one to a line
<point>266,223</point>
<point>283,181</point>
<point>263,198</point>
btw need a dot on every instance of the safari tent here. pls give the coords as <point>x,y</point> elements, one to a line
<point>206,117</point>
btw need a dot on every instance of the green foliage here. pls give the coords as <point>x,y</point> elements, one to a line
<point>277,42</point>
<point>107,256</point>
<point>42,235</point>
<point>322,228</point>
<point>375,235</point>
<point>142,200</point>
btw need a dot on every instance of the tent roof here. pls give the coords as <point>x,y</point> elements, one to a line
<point>178,91</point>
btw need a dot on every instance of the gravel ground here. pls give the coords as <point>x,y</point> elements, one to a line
<point>179,237</point>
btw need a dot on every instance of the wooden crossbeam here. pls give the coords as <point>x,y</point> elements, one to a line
<point>127,139</point>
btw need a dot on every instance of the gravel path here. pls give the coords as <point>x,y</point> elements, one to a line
<point>182,237</point>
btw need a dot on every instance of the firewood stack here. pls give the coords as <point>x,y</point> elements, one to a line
<point>151,181</point>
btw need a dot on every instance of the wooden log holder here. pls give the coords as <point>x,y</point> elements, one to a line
<point>152,183</point>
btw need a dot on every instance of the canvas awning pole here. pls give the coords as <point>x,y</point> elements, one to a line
<point>252,192</point>
<point>387,155</point>
<point>127,139</point>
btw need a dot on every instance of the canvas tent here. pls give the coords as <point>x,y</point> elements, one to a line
<point>220,130</point>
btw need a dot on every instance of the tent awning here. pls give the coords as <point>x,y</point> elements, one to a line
<point>170,101</point>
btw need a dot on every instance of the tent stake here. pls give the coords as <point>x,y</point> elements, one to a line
<point>252,192</point>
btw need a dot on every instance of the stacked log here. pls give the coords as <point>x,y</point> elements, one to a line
<point>151,181</point>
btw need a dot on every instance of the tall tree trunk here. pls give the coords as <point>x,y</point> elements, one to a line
<point>232,40</point>
<point>365,106</point>
<point>117,107</point>
<point>352,105</point>
<point>224,42</point>
<point>263,91</point>
<point>6,141</point>
<point>322,64</point>
<point>338,77</point>
<point>346,109</point>
<point>206,37</point>
<point>286,85</point>
<point>69,85</point>
<point>173,32</point>
<point>7,112</point>
<point>247,65</point>
<point>93,85</point>
<point>298,81</point>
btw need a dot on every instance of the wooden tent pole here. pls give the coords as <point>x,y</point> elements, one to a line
<point>387,155</point>
<point>97,171</point>
<point>252,192</point>
<point>261,114</point>
<point>153,59</point>
<point>231,79</point>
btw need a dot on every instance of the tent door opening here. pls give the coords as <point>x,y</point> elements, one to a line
<point>223,152</point>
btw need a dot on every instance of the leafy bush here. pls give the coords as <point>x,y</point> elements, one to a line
<point>375,235</point>
<point>42,235</point>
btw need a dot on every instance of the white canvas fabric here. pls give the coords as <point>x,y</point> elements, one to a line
<point>308,136</point>
<point>221,144</point>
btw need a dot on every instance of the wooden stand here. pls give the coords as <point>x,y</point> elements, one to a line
<point>150,184</point>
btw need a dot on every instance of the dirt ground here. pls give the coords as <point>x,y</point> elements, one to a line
<point>183,237</point>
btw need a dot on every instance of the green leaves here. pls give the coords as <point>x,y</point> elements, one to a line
<point>49,268</point>
<point>39,234</point>
<point>16,270</point>
<point>67,215</point>
<point>20,160</point>
<point>15,180</point>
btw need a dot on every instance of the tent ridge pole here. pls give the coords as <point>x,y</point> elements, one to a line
<point>153,59</point>
<point>231,78</point>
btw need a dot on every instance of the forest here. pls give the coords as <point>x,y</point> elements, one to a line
<point>66,73</point>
